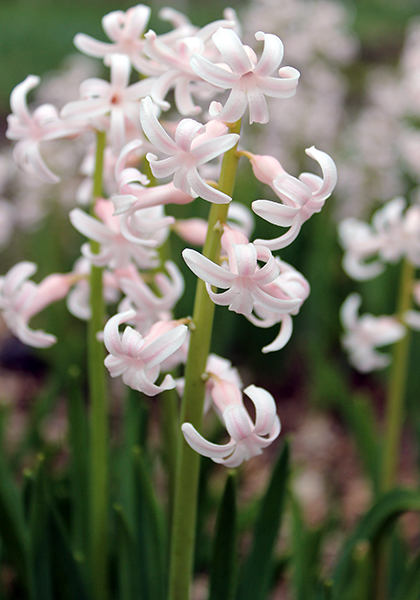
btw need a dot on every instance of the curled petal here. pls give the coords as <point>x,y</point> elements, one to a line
<point>204,447</point>
<point>154,130</point>
<point>282,337</point>
<point>265,409</point>
<point>207,270</point>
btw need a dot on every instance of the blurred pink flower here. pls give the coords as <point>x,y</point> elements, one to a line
<point>21,299</point>
<point>149,305</point>
<point>363,334</point>
<point>30,129</point>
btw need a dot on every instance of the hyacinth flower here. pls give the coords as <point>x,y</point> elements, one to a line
<point>412,317</point>
<point>78,299</point>
<point>194,230</point>
<point>118,99</point>
<point>117,252</point>
<point>194,145</point>
<point>150,306</point>
<point>178,73</point>
<point>126,30</point>
<point>246,284</point>
<point>21,299</point>
<point>360,243</point>
<point>248,439</point>
<point>218,370</point>
<point>398,231</point>
<point>364,334</point>
<point>138,358</point>
<point>249,79</point>
<point>30,129</point>
<point>392,235</point>
<point>133,195</point>
<point>292,284</point>
<point>301,197</point>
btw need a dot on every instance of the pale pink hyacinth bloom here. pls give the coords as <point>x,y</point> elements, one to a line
<point>249,79</point>
<point>412,317</point>
<point>289,283</point>
<point>148,305</point>
<point>393,235</point>
<point>126,30</point>
<point>246,284</point>
<point>360,244</point>
<point>194,230</point>
<point>133,195</point>
<point>301,197</point>
<point>178,74</point>
<point>363,334</point>
<point>21,299</point>
<point>138,358</point>
<point>218,370</point>
<point>248,439</point>
<point>116,98</point>
<point>398,231</point>
<point>116,251</point>
<point>195,144</point>
<point>30,129</point>
<point>78,299</point>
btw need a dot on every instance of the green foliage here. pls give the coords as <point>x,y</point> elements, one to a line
<point>255,576</point>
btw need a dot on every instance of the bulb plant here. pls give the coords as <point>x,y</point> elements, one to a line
<point>168,129</point>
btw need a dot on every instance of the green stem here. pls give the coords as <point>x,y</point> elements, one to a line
<point>394,421</point>
<point>394,418</point>
<point>98,414</point>
<point>188,468</point>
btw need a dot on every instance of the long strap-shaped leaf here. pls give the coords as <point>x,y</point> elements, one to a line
<point>13,530</point>
<point>257,570</point>
<point>410,584</point>
<point>150,536</point>
<point>386,510</point>
<point>305,555</point>
<point>223,571</point>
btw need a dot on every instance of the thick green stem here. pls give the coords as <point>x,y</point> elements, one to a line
<point>187,475</point>
<point>394,421</point>
<point>394,418</point>
<point>98,415</point>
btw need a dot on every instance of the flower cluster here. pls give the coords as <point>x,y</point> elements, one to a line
<point>146,163</point>
<point>393,235</point>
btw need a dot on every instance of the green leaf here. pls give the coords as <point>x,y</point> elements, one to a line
<point>257,570</point>
<point>304,559</point>
<point>149,532</point>
<point>128,555</point>
<point>223,571</point>
<point>360,417</point>
<point>78,440</point>
<point>385,511</point>
<point>67,569</point>
<point>361,586</point>
<point>13,530</point>
<point>410,584</point>
<point>40,535</point>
